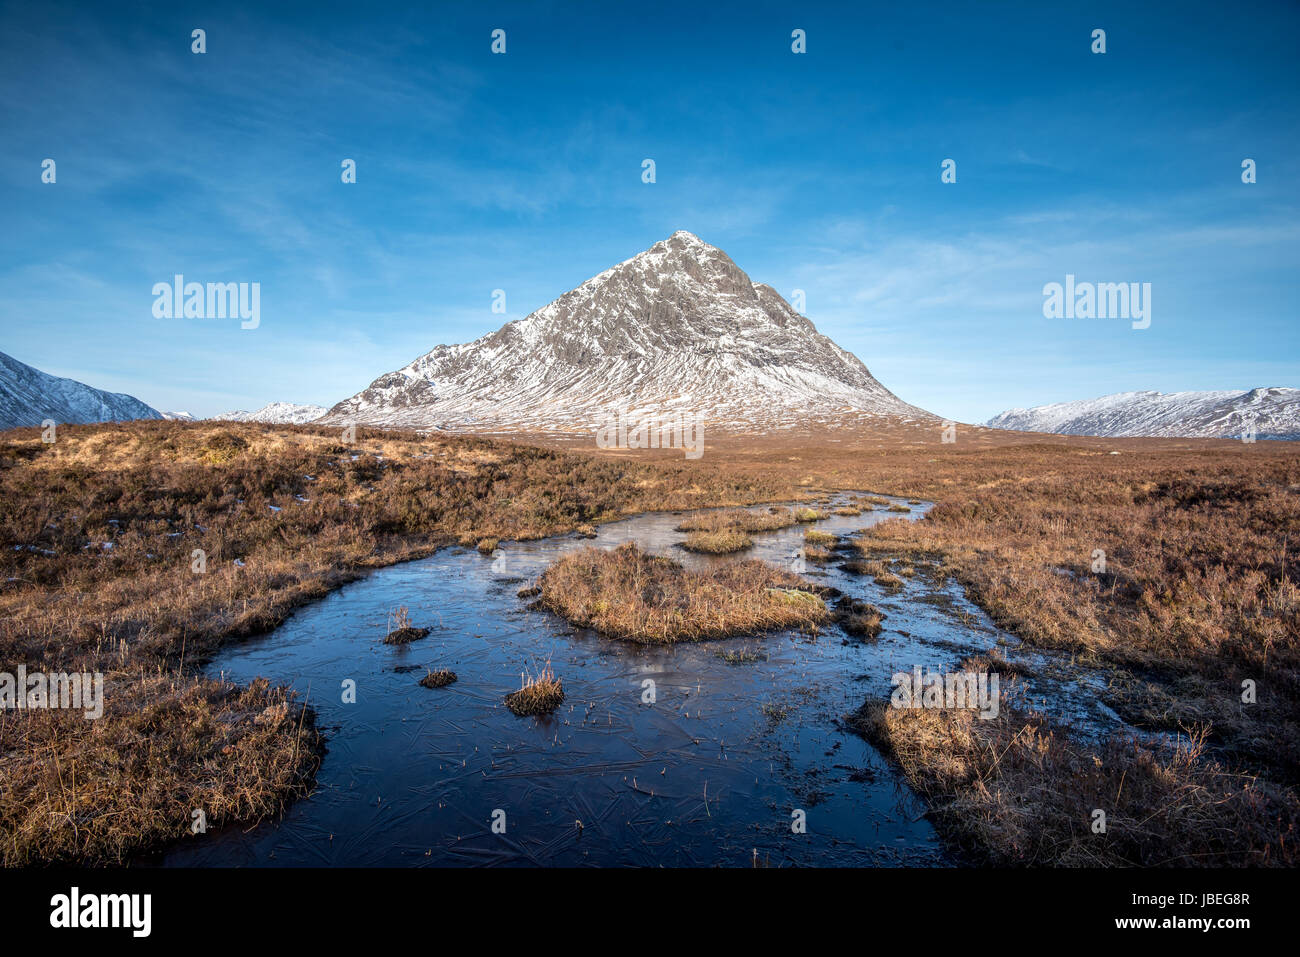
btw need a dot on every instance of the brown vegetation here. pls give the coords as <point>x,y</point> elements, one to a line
<point>281,515</point>
<point>96,792</point>
<point>858,617</point>
<point>1013,791</point>
<point>538,694</point>
<point>1198,593</point>
<point>438,679</point>
<point>738,520</point>
<point>629,594</point>
<point>400,629</point>
<point>717,543</point>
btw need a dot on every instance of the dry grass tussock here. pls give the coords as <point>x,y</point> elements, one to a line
<point>538,694</point>
<point>1012,791</point>
<point>438,679</point>
<point>628,594</point>
<point>96,792</point>
<point>859,618</point>
<point>717,543</point>
<point>739,520</point>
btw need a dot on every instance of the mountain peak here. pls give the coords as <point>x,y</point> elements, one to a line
<point>681,253</point>
<point>678,326</point>
<point>688,242</point>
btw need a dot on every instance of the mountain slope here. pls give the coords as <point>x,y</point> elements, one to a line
<point>277,413</point>
<point>1274,411</point>
<point>29,396</point>
<point>678,327</point>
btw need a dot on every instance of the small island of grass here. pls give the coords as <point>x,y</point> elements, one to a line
<point>628,594</point>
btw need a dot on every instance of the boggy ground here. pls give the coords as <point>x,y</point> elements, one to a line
<point>1167,566</point>
<point>1198,595</point>
<point>100,541</point>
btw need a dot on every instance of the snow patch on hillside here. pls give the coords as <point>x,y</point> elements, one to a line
<point>1274,411</point>
<point>29,396</point>
<point>276,413</point>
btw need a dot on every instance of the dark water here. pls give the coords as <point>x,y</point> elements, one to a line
<point>710,773</point>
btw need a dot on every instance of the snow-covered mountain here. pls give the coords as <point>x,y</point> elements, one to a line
<point>1275,413</point>
<point>29,396</point>
<point>178,416</point>
<point>677,328</point>
<point>277,413</point>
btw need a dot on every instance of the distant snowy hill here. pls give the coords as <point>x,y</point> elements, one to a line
<point>677,328</point>
<point>29,396</point>
<point>1275,413</point>
<point>277,413</point>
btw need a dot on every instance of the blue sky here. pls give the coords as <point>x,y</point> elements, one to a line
<point>522,172</point>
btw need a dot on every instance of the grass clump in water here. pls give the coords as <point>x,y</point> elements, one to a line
<point>538,694</point>
<point>879,570</point>
<point>438,679</point>
<point>628,594</point>
<point>738,520</point>
<point>858,617</point>
<point>400,629</point>
<point>717,543</point>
